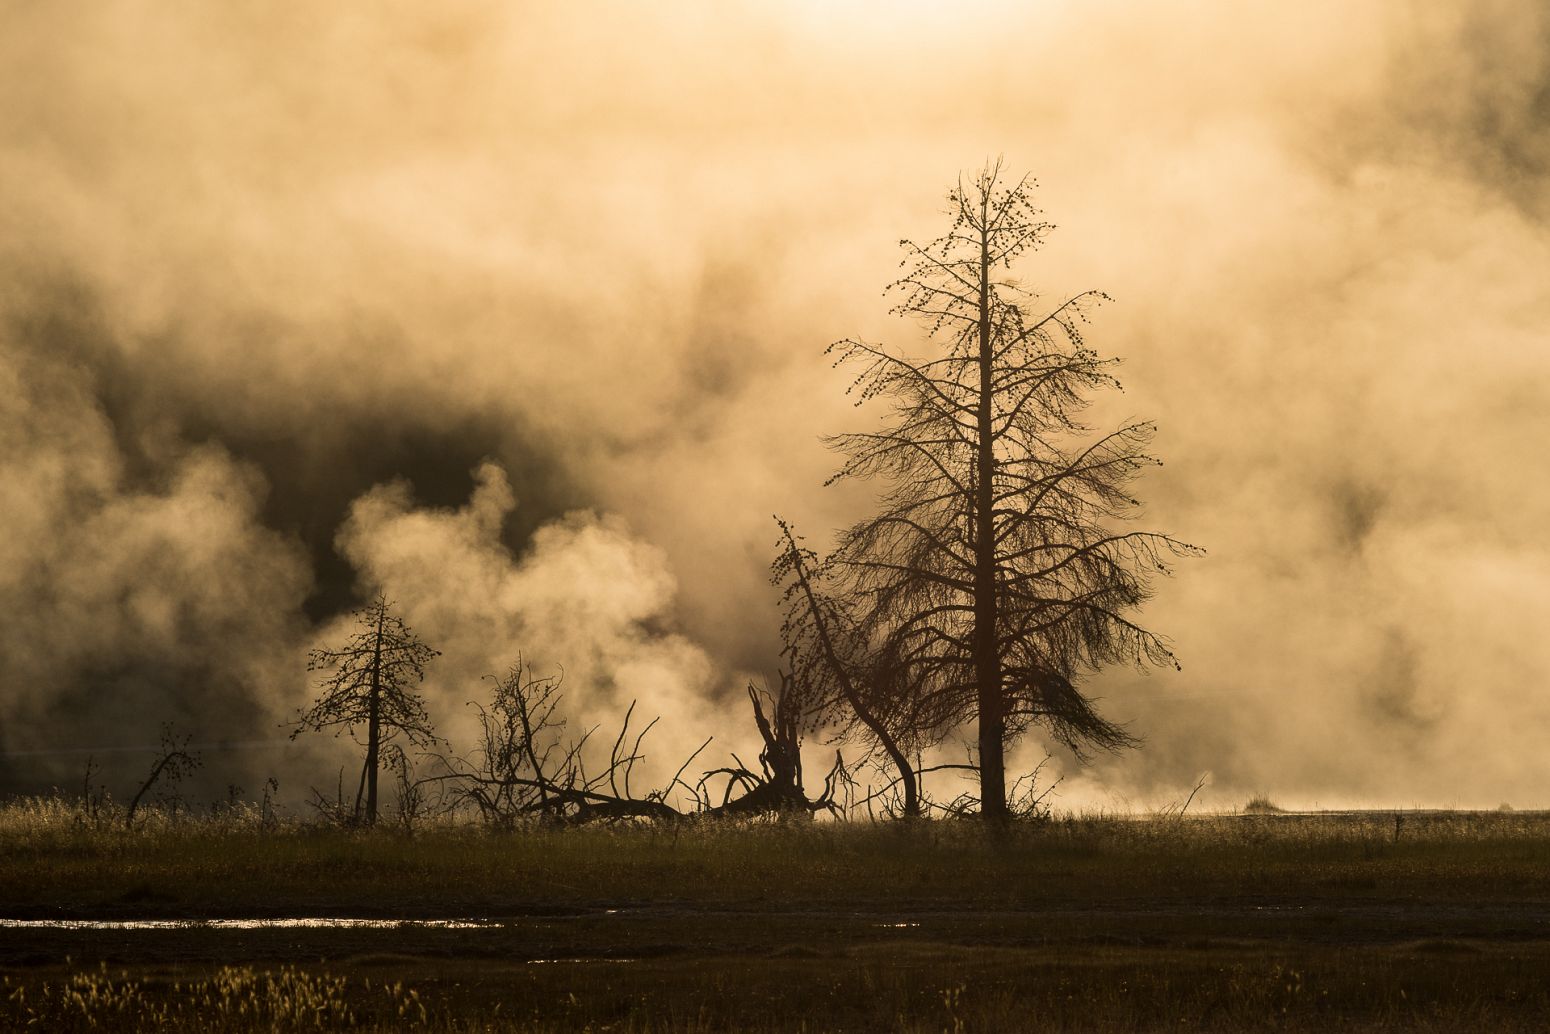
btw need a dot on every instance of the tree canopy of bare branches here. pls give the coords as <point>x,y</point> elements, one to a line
<point>1000,569</point>
<point>371,680</point>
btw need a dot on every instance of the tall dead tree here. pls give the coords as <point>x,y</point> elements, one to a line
<point>371,681</point>
<point>998,572</point>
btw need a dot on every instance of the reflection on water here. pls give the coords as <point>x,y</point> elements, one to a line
<point>247,924</point>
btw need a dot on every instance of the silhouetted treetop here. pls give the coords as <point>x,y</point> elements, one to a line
<point>999,569</point>
<point>371,680</point>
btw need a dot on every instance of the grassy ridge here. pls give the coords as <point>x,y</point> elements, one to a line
<point>232,865</point>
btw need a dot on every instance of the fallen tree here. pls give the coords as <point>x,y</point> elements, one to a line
<point>526,768</point>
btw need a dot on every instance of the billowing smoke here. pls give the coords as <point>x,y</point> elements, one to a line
<point>586,601</point>
<point>129,604</point>
<point>274,280</point>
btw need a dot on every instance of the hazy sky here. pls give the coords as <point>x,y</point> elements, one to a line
<point>518,311</point>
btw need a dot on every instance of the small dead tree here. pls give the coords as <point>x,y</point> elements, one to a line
<point>95,803</point>
<point>827,656</point>
<point>333,811</point>
<point>173,761</point>
<point>777,788</point>
<point>370,681</point>
<point>408,791</point>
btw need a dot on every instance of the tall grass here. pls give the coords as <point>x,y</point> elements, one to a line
<point>237,858</point>
<point>958,993</point>
<point>234,998</point>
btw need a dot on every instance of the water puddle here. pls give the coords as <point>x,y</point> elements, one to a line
<point>249,924</point>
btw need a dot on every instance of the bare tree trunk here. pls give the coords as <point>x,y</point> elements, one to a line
<point>987,655</point>
<point>373,725</point>
<point>360,793</point>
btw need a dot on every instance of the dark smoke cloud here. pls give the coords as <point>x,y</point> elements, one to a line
<point>131,600</point>
<point>272,271</point>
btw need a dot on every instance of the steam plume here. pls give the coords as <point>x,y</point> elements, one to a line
<point>258,259</point>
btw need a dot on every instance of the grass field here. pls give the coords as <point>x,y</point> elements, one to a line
<point>1440,921</point>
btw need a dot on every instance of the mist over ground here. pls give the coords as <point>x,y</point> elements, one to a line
<point>517,313</point>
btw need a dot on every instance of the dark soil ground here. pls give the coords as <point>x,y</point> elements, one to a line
<point>1224,923</point>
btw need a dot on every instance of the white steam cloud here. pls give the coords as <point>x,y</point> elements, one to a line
<point>257,257</point>
<point>585,598</point>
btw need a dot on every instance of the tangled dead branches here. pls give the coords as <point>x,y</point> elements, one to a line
<point>526,767</point>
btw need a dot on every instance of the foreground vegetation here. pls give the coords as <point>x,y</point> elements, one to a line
<point>237,862</point>
<point>1352,921</point>
<point>963,990</point>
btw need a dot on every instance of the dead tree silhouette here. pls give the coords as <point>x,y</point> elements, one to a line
<point>370,681</point>
<point>776,788</point>
<point>829,673</point>
<point>174,760</point>
<point>527,766</point>
<point>997,573</point>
